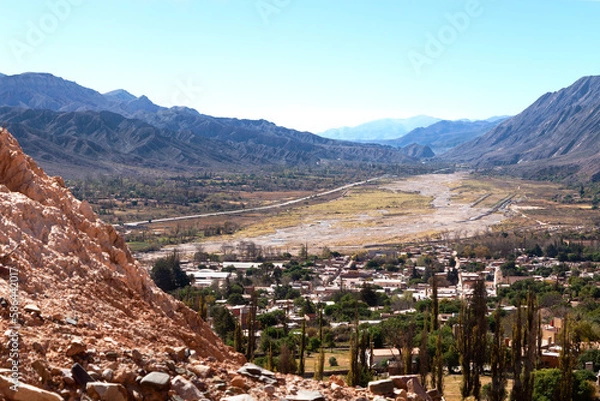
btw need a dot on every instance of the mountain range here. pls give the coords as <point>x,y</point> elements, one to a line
<point>76,131</point>
<point>73,130</point>
<point>558,136</point>
<point>379,130</point>
<point>445,135</point>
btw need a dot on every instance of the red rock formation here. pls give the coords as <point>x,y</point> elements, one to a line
<point>74,267</point>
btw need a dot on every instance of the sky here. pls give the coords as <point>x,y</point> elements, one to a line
<point>311,64</point>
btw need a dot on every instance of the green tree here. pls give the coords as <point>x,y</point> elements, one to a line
<point>223,322</point>
<point>167,273</point>
<point>472,340</point>
<point>497,390</point>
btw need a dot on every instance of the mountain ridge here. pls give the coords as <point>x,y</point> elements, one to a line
<point>234,143</point>
<point>382,129</point>
<point>560,131</point>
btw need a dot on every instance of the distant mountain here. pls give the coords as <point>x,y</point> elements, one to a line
<point>557,136</point>
<point>379,129</point>
<point>120,95</point>
<point>76,130</point>
<point>418,151</point>
<point>445,135</point>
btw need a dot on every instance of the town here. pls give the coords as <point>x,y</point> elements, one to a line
<point>295,308</point>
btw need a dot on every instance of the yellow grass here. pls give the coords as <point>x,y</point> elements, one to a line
<point>452,386</point>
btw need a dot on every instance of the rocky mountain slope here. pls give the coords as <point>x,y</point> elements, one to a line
<point>557,136</point>
<point>82,320</point>
<point>71,129</point>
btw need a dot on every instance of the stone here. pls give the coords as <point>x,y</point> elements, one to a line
<point>41,370</point>
<point>32,308</point>
<point>156,380</point>
<point>256,372</point>
<point>381,387</point>
<point>241,397</point>
<point>124,376</point>
<point>76,347</point>
<point>239,381</point>
<point>414,386</point>
<point>25,392</point>
<point>304,395</point>
<point>80,375</point>
<point>181,353</point>
<point>112,355</point>
<point>136,355</point>
<point>269,389</point>
<point>108,374</point>
<point>400,381</point>
<point>106,391</point>
<point>337,380</point>
<point>202,371</point>
<point>39,348</point>
<point>185,389</point>
<point>434,394</point>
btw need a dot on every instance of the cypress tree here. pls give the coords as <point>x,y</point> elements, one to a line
<point>517,360</point>
<point>498,360</point>
<point>302,348</point>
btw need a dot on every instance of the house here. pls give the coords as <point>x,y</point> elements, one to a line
<point>381,355</point>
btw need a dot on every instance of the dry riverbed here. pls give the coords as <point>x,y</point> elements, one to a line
<point>388,212</point>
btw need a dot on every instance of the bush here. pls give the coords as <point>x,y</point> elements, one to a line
<point>333,361</point>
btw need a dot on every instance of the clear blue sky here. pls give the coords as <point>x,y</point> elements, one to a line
<point>311,64</point>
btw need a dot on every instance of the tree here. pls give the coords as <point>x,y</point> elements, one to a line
<point>498,360</point>
<point>321,362</point>
<point>472,340</point>
<point>516,356</point>
<point>423,356</point>
<point>437,369</point>
<point>435,306</point>
<point>251,326</point>
<point>238,338</point>
<point>302,348</point>
<point>566,363</point>
<point>167,273</point>
<point>223,322</point>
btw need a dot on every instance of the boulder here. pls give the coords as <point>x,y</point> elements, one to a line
<point>106,391</point>
<point>155,381</point>
<point>25,392</point>
<point>202,371</point>
<point>240,382</point>
<point>256,372</point>
<point>80,375</point>
<point>76,347</point>
<point>185,389</point>
<point>381,387</point>
<point>414,386</point>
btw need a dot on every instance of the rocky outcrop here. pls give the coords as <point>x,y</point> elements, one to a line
<point>80,291</point>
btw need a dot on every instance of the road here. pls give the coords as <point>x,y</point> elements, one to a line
<point>254,209</point>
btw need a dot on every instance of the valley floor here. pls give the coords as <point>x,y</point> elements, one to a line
<point>389,212</point>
